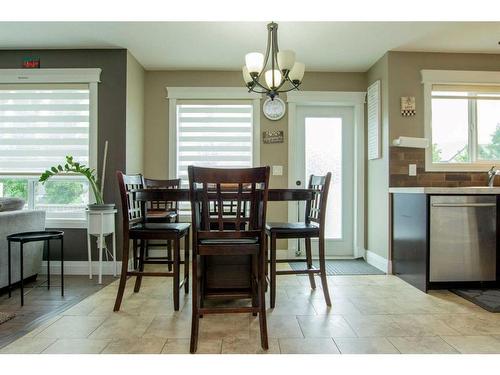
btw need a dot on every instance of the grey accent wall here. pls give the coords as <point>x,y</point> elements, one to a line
<point>111,116</point>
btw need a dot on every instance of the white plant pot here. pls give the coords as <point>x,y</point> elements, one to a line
<point>101,222</point>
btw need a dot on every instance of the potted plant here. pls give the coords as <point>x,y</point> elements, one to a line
<point>72,166</point>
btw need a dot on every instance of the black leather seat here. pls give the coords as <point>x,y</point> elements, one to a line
<point>285,228</point>
<point>178,227</point>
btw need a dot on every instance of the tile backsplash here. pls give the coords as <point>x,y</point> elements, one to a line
<point>401,157</point>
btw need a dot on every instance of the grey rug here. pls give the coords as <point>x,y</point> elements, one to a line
<point>6,316</point>
<point>488,299</point>
<point>343,267</point>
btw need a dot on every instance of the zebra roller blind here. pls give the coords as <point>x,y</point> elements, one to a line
<point>214,134</point>
<point>41,124</point>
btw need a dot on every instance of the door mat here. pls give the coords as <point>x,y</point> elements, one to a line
<point>342,267</point>
<point>488,299</point>
<point>6,316</point>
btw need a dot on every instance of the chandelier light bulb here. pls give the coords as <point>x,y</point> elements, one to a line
<point>286,59</point>
<point>254,62</point>
<point>297,72</point>
<point>246,76</point>
<point>269,78</point>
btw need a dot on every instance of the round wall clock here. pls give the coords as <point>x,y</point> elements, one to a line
<point>274,109</point>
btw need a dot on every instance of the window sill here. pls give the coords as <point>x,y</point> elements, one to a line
<point>66,223</point>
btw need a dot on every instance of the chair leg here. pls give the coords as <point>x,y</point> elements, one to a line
<point>134,253</point>
<point>138,279</point>
<point>322,267</point>
<point>266,259</point>
<point>272,279</point>
<point>195,322</point>
<point>186,263</point>
<point>123,276</point>
<point>255,282</point>
<point>169,254</point>
<point>309,262</point>
<point>261,278</point>
<point>146,252</point>
<point>176,273</point>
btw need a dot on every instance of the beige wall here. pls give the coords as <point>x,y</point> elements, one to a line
<point>156,117</point>
<point>377,171</point>
<point>135,116</point>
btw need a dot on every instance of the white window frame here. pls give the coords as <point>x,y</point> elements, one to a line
<point>90,76</point>
<point>452,77</point>
<point>206,93</point>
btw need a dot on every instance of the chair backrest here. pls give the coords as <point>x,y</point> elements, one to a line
<point>316,208</point>
<point>132,210</point>
<point>228,203</point>
<point>164,184</point>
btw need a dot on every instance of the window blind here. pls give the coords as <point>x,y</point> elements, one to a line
<point>41,124</point>
<point>217,135</point>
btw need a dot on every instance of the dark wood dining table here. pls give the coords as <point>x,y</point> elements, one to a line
<point>225,272</point>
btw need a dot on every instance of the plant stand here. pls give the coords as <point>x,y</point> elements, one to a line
<point>101,223</point>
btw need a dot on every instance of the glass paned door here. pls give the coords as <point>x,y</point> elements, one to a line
<point>325,143</point>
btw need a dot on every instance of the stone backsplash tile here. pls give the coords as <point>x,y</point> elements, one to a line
<point>401,157</point>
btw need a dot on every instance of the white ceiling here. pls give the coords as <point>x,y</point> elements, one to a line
<point>322,46</point>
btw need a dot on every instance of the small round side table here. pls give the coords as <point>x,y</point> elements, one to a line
<point>25,237</point>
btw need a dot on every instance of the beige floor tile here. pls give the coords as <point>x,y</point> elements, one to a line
<point>473,324</point>
<point>339,306</point>
<point>175,326</point>
<point>308,346</point>
<point>249,346</point>
<point>375,326</point>
<point>181,346</point>
<point>43,326</point>
<point>423,325</point>
<point>72,327</point>
<point>325,326</point>
<point>223,326</point>
<point>27,345</point>
<point>372,345</point>
<point>474,344</point>
<point>122,326</point>
<point>292,307</point>
<point>278,326</point>
<point>422,345</point>
<point>76,346</point>
<point>135,346</point>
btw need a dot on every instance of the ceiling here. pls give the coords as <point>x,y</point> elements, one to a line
<point>322,46</point>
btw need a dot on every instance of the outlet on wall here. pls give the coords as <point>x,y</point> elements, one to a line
<point>412,169</point>
<point>277,170</point>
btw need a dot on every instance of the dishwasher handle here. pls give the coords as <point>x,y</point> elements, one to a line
<point>463,204</point>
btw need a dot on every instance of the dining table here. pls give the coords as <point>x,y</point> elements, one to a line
<point>227,273</point>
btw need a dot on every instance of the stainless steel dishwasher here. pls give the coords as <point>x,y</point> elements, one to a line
<point>462,238</point>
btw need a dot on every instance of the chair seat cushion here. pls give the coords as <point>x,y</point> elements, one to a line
<point>301,227</point>
<point>229,241</point>
<point>174,227</point>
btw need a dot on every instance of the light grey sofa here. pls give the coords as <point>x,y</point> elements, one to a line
<point>14,222</point>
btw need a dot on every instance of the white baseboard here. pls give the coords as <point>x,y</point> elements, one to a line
<point>377,261</point>
<point>79,267</point>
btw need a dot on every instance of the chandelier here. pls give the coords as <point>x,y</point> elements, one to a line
<point>283,74</point>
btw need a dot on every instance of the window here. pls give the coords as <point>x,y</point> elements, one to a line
<point>462,120</point>
<point>214,135</point>
<point>39,125</point>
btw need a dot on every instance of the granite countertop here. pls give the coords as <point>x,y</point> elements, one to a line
<point>446,190</point>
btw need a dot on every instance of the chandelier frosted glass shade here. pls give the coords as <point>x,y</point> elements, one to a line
<point>276,71</point>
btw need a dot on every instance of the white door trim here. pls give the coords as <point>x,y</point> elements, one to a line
<point>334,98</point>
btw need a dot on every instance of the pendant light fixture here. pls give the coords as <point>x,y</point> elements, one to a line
<point>279,69</point>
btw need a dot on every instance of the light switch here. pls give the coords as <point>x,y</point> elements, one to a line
<point>277,170</point>
<point>412,169</point>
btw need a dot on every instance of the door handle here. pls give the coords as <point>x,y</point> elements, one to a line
<point>463,204</point>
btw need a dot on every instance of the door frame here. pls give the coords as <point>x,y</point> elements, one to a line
<point>356,100</point>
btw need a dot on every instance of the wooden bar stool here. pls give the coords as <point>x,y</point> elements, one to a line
<point>312,227</point>
<point>161,211</point>
<point>223,231</point>
<point>137,229</point>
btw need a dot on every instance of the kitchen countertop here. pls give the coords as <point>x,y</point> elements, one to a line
<point>446,190</point>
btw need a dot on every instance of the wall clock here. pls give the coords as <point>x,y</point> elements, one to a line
<point>274,109</point>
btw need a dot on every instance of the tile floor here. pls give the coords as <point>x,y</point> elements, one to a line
<point>370,314</point>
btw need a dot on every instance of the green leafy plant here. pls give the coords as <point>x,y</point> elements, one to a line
<point>74,167</point>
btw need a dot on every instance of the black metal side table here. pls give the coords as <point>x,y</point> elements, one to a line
<point>26,237</point>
